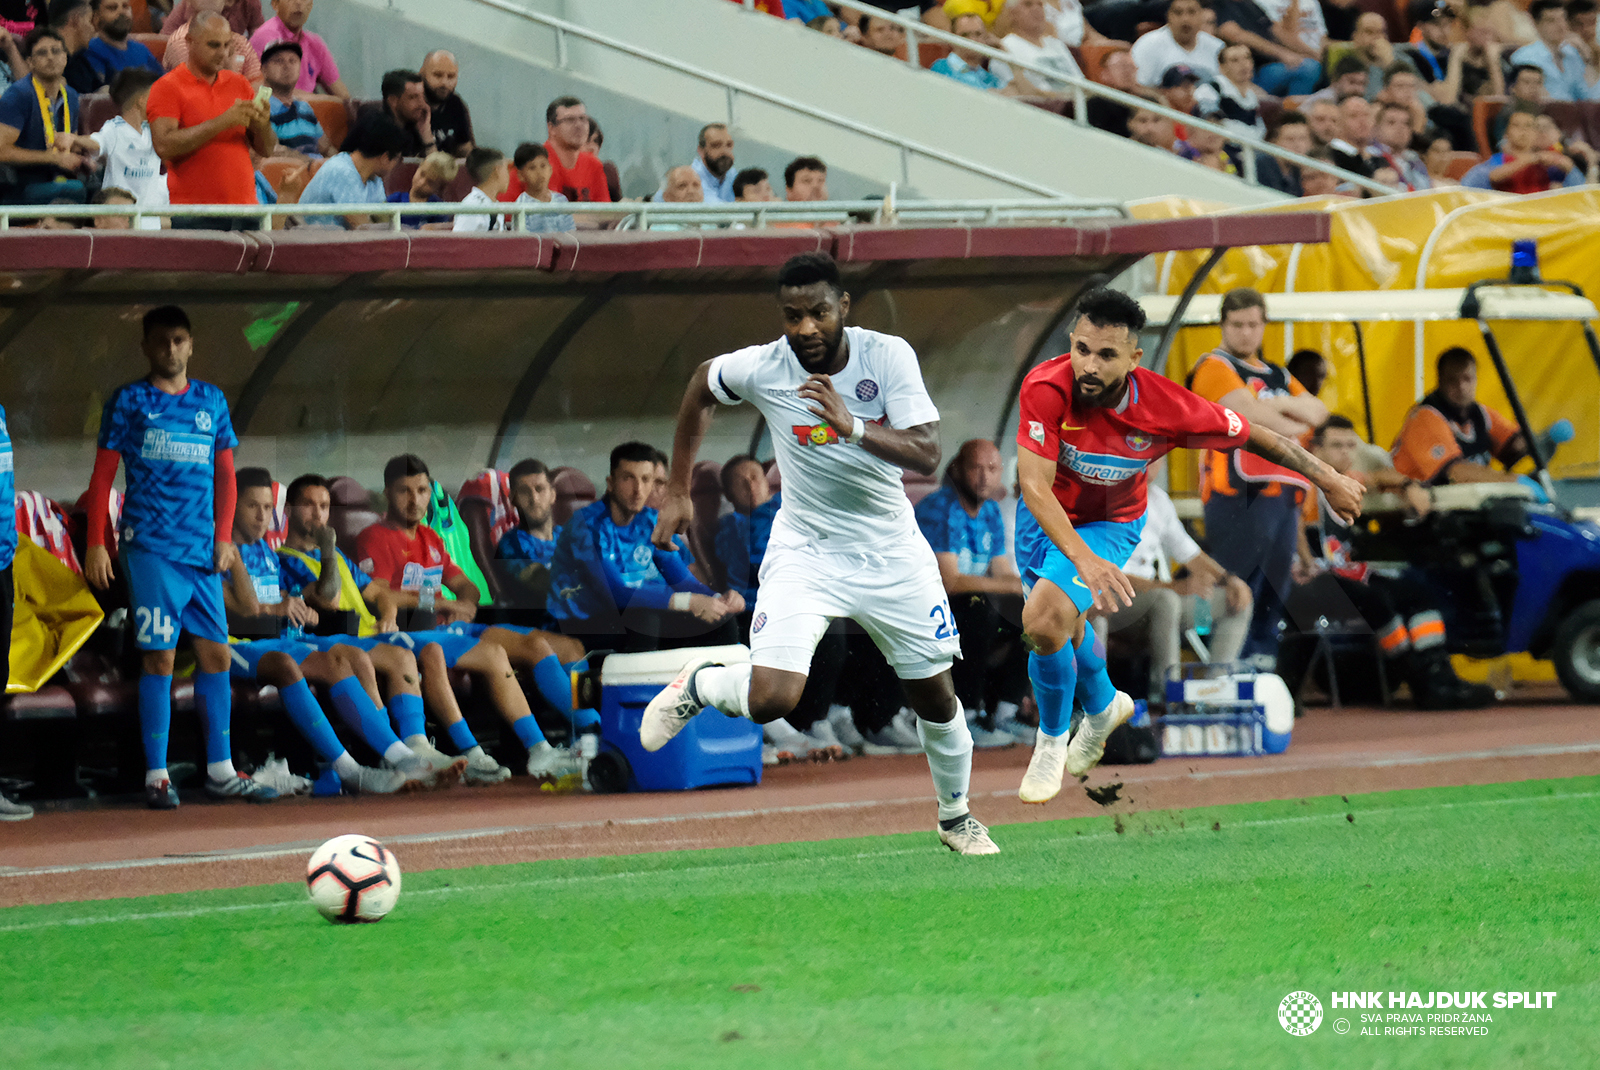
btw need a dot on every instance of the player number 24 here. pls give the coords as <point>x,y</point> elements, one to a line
<point>153,621</point>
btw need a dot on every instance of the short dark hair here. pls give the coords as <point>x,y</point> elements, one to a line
<point>1523,68</point>
<point>129,83</point>
<point>1301,358</point>
<point>1234,44</point>
<point>556,105</point>
<point>862,24</point>
<point>1283,119</point>
<point>710,126</point>
<point>1581,7</point>
<point>1452,360</point>
<point>1390,105</point>
<point>1242,297</point>
<point>742,181</point>
<point>526,153</point>
<point>728,467</point>
<point>481,164</point>
<point>595,133</point>
<point>1105,307</point>
<point>376,135</point>
<point>1396,69</point>
<point>529,467</point>
<point>246,478</point>
<point>1535,10</point>
<point>1420,11</point>
<point>404,467</point>
<point>806,269</point>
<point>299,485</point>
<point>166,316</point>
<point>105,193</point>
<point>61,11</point>
<point>663,459</point>
<point>37,34</point>
<point>1171,2</point>
<point>631,452</point>
<point>1334,422</point>
<point>1348,64</point>
<point>394,83</point>
<point>802,163</point>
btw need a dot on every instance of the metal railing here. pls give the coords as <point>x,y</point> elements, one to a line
<point>627,215</point>
<point>1082,88</point>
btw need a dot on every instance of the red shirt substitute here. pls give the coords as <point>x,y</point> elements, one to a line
<point>387,553</point>
<point>1101,454</point>
<point>218,172</point>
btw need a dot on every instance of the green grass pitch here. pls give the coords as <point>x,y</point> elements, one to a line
<point>1166,942</point>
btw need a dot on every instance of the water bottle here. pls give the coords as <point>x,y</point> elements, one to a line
<point>588,749</point>
<point>1202,615</point>
<point>425,597</point>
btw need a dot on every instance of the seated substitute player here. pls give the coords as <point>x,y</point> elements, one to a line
<point>525,552</point>
<point>848,410</point>
<point>1452,437</point>
<point>1400,609</point>
<point>175,437</point>
<point>301,557</point>
<point>1091,421</point>
<point>962,523</point>
<point>288,664</point>
<point>611,588</point>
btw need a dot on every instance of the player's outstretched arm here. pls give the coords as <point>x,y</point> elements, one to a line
<point>694,420</point>
<point>1344,493</point>
<point>916,448</point>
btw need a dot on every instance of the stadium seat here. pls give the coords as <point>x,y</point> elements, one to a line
<point>278,173</point>
<point>400,176</point>
<point>574,490</point>
<point>484,502</point>
<point>45,522</point>
<point>931,52</point>
<point>774,477</point>
<point>705,491</point>
<point>1484,109</point>
<point>333,114</point>
<point>1090,57</point>
<point>97,111</point>
<point>459,186</point>
<point>1461,163</point>
<point>46,704</point>
<point>155,42</point>
<point>351,512</point>
<point>142,22</point>
<point>918,486</point>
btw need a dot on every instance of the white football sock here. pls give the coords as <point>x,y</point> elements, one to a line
<point>221,772</point>
<point>155,776</point>
<point>949,750</point>
<point>725,687</point>
<point>347,767</point>
<point>397,753</point>
<point>418,743</point>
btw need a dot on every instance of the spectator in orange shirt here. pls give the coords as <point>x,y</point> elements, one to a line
<point>1451,436</point>
<point>1252,508</point>
<point>240,57</point>
<point>204,120</point>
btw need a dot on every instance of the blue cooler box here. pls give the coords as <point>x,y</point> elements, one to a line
<point>713,748</point>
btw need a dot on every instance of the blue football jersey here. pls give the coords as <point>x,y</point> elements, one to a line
<point>297,576</point>
<point>589,540</point>
<point>169,444</point>
<point>949,529</point>
<point>8,497</point>
<point>520,545</point>
<point>261,561</point>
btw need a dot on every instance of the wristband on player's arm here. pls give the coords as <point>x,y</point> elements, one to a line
<point>858,431</point>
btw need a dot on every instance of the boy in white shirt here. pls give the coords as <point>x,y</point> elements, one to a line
<point>489,179</point>
<point>532,161</point>
<point>130,159</point>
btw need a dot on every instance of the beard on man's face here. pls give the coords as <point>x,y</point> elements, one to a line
<point>1098,390</point>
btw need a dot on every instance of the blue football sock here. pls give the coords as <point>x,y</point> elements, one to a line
<point>214,692</point>
<point>527,730</point>
<point>306,715</point>
<point>554,685</point>
<point>357,710</point>
<point>462,736</point>
<point>585,719</point>
<point>1095,689</point>
<point>409,716</point>
<point>1055,678</point>
<point>155,718</point>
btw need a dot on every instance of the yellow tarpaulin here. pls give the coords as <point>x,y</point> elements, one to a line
<point>55,615</point>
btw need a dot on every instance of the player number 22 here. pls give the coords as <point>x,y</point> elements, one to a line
<point>154,621</point>
<point>944,627</point>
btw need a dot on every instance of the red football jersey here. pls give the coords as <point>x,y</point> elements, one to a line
<point>406,564</point>
<point>1101,454</point>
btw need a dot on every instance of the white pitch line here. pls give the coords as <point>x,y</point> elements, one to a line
<point>808,860</point>
<point>305,847</point>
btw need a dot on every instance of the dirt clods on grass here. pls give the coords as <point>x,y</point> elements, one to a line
<point>1105,795</point>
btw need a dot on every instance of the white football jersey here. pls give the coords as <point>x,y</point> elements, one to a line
<point>835,495</point>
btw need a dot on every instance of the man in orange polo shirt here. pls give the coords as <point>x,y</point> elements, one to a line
<point>204,120</point>
<point>1252,508</point>
<point>1452,437</point>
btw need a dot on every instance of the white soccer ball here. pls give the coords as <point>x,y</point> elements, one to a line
<point>353,878</point>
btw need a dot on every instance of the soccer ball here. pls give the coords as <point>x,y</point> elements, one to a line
<point>353,878</point>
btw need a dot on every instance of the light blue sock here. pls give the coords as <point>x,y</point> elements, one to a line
<point>214,692</point>
<point>527,730</point>
<point>1055,678</point>
<point>357,710</point>
<point>463,738</point>
<point>554,685</point>
<point>585,719</point>
<point>306,715</point>
<point>409,716</point>
<point>155,718</point>
<point>1095,689</point>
